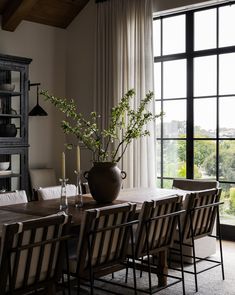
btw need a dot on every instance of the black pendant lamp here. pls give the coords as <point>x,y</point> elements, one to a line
<point>37,110</point>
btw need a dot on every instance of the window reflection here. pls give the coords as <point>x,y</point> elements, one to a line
<point>157,80</point>
<point>174,79</point>
<point>226,117</point>
<point>157,37</point>
<point>174,34</point>
<point>227,26</point>
<point>226,73</point>
<point>204,120</point>
<point>227,210</point>
<point>205,76</point>
<point>205,29</point>
<point>227,160</point>
<point>174,155</point>
<point>205,159</point>
<point>174,119</point>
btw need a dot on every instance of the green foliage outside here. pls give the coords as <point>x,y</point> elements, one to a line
<point>232,199</point>
<point>174,155</point>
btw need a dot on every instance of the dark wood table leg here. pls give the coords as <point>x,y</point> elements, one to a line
<point>163,268</point>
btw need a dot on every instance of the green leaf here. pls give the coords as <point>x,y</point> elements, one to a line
<point>125,125</point>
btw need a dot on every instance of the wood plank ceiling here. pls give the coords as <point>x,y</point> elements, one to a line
<point>57,13</point>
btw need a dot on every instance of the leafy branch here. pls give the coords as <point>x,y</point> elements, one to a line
<point>125,125</point>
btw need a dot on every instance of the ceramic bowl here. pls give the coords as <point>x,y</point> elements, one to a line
<point>7,87</point>
<point>4,166</point>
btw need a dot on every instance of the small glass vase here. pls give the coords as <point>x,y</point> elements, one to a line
<point>63,195</point>
<point>78,196</point>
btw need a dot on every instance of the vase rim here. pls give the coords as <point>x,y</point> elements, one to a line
<point>105,163</point>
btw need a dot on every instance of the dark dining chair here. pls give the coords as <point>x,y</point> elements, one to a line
<point>41,177</point>
<point>206,246</point>
<point>10,198</point>
<point>194,184</point>
<point>201,214</point>
<point>32,254</point>
<point>158,221</point>
<point>103,243</point>
<point>54,192</point>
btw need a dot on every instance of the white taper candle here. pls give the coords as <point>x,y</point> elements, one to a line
<point>63,165</point>
<point>78,159</point>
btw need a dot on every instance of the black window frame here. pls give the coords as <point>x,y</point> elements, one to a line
<point>189,55</point>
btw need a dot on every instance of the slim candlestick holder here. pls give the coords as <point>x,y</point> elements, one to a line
<point>63,196</point>
<point>78,197</point>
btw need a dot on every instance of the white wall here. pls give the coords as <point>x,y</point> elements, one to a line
<point>47,47</point>
<point>51,48</point>
<point>80,72</point>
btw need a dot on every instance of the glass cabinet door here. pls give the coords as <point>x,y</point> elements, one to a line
<point>12,167</point>
<point>12,105</point>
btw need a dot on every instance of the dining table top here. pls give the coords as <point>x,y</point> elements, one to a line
<point>36,209</point>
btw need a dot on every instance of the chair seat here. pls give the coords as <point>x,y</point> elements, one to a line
<point>194,185</point>
<point>204,247</point>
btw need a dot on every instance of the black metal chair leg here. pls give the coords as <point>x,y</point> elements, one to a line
<point>220,244</point>
<point>148,259</point>
<point>194,255</point>
<point>133,261</point>
<point>92,287</point>
<point>90,266</point>
<point>78,286</point>
<point>149,276</point>
<point>134,277</point>
<point>195,268</point>
<point>127,269</point>
<point>181,256</point>
<point>63,284</point>
<point>141,272</point>
<point>68,273</point>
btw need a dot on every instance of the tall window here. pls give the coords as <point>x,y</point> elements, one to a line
<point>194,62</point>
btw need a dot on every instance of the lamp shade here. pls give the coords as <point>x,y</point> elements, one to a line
<point>37,110</point>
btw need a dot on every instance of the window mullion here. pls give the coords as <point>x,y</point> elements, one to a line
<point>217,98</point>
<point>189,52</point>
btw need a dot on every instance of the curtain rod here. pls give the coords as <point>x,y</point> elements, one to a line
<point>194,6</point>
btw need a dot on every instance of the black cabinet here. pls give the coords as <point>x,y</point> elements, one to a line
<point>14,122</point>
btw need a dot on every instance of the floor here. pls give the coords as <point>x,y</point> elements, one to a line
<point>210,282</point>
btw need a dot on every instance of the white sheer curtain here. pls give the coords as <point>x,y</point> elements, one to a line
<point>124,60</point>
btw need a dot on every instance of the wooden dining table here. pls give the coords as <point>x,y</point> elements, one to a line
<point>35,209</point>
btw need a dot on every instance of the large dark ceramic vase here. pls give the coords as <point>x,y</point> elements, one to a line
<point>8,130</point>
<point>105,181</point>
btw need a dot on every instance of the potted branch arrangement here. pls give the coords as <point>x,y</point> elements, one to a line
<point>107,145</point>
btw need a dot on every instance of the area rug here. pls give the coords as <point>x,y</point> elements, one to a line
<point>209,282</point>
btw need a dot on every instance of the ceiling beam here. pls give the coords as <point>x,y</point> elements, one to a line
<point>15,12</point>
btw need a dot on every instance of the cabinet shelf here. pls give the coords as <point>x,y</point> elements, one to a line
<point>10,116</point>
<point>10,175</point>
<point>9,93</point>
